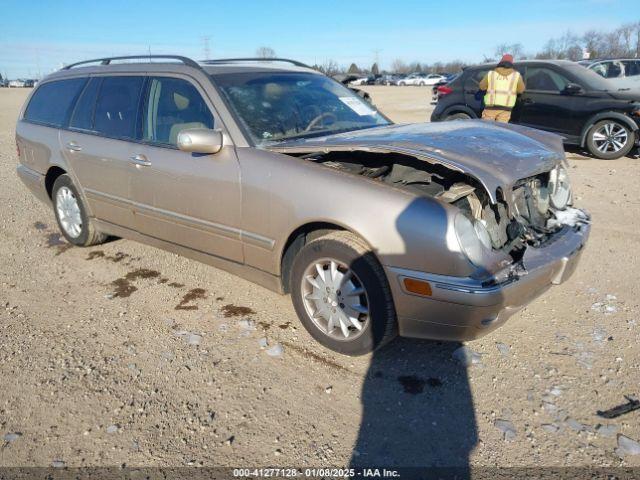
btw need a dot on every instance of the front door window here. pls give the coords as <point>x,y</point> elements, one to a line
<point>173,105</point>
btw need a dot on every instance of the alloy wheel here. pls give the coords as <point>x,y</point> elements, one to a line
<point>610,137</point>
<point>335,299</point>
<point>69,212</point>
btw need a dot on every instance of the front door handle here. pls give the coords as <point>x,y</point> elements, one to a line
<point>74,147</point>
<point>139,160</point>
<point>528,101</point>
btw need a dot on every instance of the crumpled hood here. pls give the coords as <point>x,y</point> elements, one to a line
<point>496,154</point>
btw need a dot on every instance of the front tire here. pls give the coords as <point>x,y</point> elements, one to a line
<point>610,139</point>
<point>341,294</point>
<point>71,214</point>
<point>457,116</point>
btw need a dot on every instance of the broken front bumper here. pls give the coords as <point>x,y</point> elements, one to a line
<point>465,309</point>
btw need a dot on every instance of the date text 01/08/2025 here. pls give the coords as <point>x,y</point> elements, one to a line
<point>316,472</point>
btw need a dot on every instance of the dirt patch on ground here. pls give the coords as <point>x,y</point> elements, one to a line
<point>124,286</point>
<point>189,297</point>
<point>231,310</point>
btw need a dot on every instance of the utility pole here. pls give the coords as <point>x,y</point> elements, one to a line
<point>376,56</point>
<point>205,47</point>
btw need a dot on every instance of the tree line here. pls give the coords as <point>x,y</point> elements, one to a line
<point>623,41</point>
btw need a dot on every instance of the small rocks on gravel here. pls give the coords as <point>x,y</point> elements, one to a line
<point>503,348</point>
<point>507,428</point>
<point>550,427</point>
<point>11,436</point>
<point>607,430</point>
<point>573,424</point>
<point>246,325</point>
<point>627,446</point>
<point>191,338</point>
<point>112,429</point>
<point>466,356</point>
<point>275,351</point>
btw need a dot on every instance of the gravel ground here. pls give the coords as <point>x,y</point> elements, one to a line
<point>197,367</point>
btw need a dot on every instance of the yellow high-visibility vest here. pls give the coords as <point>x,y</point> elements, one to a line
<point>501,90</point>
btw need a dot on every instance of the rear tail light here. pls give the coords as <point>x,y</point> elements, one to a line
<point>444,90</point>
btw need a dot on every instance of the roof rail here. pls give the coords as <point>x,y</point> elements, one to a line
<point>254,59</point>
<point>107,60</point>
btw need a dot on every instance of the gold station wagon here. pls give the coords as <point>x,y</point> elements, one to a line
<point>276,173</point>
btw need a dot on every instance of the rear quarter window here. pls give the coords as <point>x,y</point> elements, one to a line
<point>52,102</point>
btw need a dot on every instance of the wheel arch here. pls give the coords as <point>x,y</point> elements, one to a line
<point>50,178</point>
<point>299,237</point>
<point>458,108</point>
<point>609,115</point>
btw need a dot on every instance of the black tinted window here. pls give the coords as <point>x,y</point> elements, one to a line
<point>173,105</point>
<point>473,79</point>
<point>117,106</point>
<point>631,67</point>
<point>52,102</point>
<point>545,79</point>
<point>82,116</point>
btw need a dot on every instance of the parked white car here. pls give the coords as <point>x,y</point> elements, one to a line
<point>614,68</point>
<point>421,79</point>
<point>359,81</point>
<point>16,84</point>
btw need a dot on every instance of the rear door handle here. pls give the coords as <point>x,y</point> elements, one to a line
<point>74,147</point>
<point>139,160</point>
<point>528,101</point>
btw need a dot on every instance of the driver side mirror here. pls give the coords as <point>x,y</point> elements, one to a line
<point>200,140</point>
<point>572,88</point>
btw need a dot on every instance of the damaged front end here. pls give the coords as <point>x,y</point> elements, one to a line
<point>509,232</point>
<point>527,215</point>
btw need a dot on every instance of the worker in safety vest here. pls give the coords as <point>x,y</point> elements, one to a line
<point>502,85</point>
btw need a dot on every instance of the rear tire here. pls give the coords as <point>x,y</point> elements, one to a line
<point>351,277</point>
<point>457,116</point>
<point>71,214</point>
<point>610,140</point>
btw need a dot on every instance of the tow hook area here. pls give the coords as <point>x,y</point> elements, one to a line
<point>512,273</point>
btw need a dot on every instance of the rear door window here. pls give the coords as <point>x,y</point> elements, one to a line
<point>173,105</point>
<point>474,78</point>
<point>116,110</point>
<point>82,117</point>
<point>544,79</point>
<point>52,102</point>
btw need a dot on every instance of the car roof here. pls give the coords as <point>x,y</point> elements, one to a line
<point>177,64</point>
<point>558,63</point>
<point>596,60</point>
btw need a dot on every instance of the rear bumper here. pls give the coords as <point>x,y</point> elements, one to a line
<point>34,182</point>
<point>464,309</point>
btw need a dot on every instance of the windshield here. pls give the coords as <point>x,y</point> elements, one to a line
<point>278,106</point>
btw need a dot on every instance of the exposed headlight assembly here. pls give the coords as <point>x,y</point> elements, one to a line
<point>559,188</point>
<point>473,238</point>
